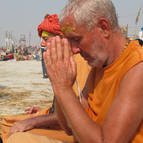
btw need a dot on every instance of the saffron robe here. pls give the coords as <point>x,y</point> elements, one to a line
<point>104,88</point>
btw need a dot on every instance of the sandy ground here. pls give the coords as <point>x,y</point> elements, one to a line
<point>22,85</point>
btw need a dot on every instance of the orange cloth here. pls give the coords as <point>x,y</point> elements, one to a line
<point>23,137</point>
<point>7,122</point>
<point>107,86</point>
<point>83,70</point>
<point>50,24</point>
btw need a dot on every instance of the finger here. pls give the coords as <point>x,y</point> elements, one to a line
<point>45,53</point>
<point>59,48</point>
<point>36,109</point>
<point>47,44</point>
<point>30,110</point>
<point>53,50</point>
<point>47,57</point>
<point>73,65</point>
<point>27,109</point>
<point>66,49</point>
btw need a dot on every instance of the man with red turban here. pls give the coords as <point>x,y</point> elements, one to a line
<point>44,121</point>
<point>49,27</point>
<point>50,24</point>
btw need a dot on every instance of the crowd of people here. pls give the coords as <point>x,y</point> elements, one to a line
<point>19,53</point>
<point>98,102</point>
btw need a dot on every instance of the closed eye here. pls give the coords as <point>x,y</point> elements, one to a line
<point>45,38</point>
<point>74,39</point>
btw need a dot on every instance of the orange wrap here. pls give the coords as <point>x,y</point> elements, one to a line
<point>106,86</point>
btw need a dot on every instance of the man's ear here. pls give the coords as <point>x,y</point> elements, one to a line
<point>104,27</point>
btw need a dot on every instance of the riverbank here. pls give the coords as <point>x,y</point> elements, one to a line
<point>22,85</point>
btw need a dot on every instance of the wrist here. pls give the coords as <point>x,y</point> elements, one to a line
<point>32,123</point>
<point>64,94</point>
<point>62,89</point>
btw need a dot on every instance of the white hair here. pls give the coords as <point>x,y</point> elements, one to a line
<point>88,11</point>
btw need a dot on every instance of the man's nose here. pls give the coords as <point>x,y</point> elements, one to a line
<point>43,44</point>
<point>75,50</point>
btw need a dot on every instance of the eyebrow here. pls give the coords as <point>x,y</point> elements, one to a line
<point>67,28</point>
<point>72,34</point>
<point>74,37</point>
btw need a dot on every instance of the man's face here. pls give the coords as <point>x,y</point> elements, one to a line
<point>45,39</point>
<point>88,44</point>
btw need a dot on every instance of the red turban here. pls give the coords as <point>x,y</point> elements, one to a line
<point>50,24</point>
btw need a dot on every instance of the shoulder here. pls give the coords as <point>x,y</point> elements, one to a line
<point>126,113</point>
<point>131,86</point>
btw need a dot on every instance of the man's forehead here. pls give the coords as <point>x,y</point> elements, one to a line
<point>69,26</point>
<point>71,29</point>
<point>68,22</point>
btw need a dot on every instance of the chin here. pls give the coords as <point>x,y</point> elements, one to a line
<point>92,64</point>
<point>95,64</point>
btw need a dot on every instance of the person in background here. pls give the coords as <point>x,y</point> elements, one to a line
<point>43,64</point>
<point>0,140</point>
<point>42,59</point>
<point>140,36</point>
<point>44,121</point>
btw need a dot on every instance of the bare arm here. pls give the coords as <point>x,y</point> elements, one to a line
<point>126,112</point>
<point>61,119</point>
<point>124,117</point>
<point>32,110</point>
<point>46,121</point>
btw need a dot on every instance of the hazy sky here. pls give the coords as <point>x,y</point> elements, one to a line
<point>22,16</point>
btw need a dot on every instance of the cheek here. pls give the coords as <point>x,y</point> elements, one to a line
<point>85,46</point>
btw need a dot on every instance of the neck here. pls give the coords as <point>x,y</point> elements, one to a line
<point>117,43</point>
